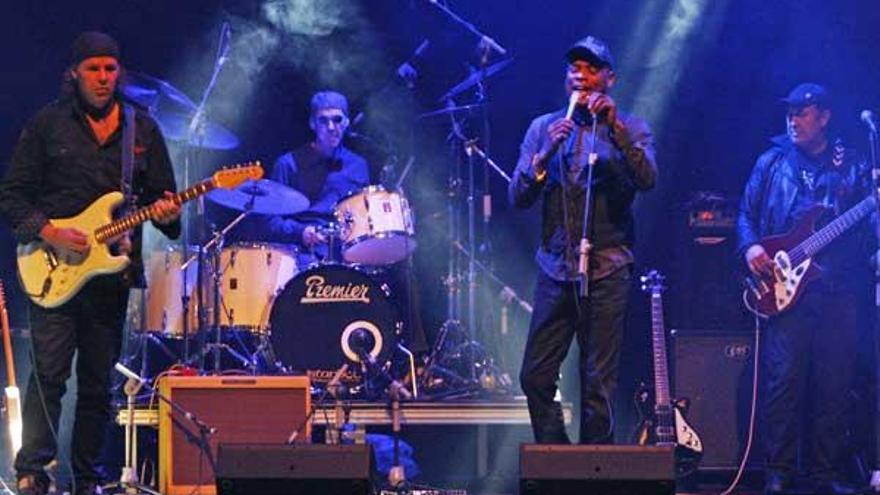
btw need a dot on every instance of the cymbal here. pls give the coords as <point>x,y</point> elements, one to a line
<point>448,110</point>
<point>147,90</point>
<point>261,196</point>
<point>175,126</point>
<point>475,77</point>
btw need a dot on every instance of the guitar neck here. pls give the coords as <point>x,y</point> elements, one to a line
<point>816,242</point>
<point>658,340</point>
<point>132,220</point>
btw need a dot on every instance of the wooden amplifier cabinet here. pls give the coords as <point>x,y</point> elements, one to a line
<point>242,409</point>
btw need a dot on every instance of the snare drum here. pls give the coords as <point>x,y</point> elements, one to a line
<point>253,274</point>
<point>163,310</point>
<point>376,227</point>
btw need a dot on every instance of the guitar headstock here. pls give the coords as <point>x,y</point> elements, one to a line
<point>237,175</point>
<point>653,282</point>
<point>2,297</point>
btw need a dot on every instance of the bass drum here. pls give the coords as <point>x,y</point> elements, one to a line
<point>321,314</point>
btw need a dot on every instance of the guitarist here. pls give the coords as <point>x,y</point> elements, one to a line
<point>70,154</point>
<point>808,350</point>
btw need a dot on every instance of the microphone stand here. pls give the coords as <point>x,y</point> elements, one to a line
<point>585,247</point>
<point>201,441</point>
<point>485,40</point>
<point>875,182</point>
<point>196,134</point>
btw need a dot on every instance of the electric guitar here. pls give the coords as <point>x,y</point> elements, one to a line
<point>11,392</point>
<point>51,276</point>
<point>793,253</point>
<point>666,424</point>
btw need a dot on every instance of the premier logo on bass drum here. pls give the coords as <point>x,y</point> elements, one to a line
<point>319,291</point>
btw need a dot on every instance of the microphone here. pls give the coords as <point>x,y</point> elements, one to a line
<point>869,120</point>
<point>128,373</point>
<point>572,102</point>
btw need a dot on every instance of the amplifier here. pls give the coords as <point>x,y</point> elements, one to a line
<point>240,409</point>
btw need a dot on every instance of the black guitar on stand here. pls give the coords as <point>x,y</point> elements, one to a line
<point>664,423</point>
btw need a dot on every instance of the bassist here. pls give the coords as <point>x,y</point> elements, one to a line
<point>808,349</point>
<point>69,155</point>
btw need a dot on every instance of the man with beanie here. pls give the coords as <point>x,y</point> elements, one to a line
<point>68,155</point>
<point>808,350</point>
<point>553,166</point>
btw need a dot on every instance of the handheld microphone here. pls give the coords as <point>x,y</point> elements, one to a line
<point>867,117</point>
<point>572,102</point>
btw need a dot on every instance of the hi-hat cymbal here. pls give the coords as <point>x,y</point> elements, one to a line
<point>475,77</point>
<point>261,196</point>
<point>209,135</point>
<point>146,90</point>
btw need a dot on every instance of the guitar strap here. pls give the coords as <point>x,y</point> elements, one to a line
<point>128,156</point>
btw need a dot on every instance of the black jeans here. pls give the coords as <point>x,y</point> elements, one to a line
<point>598,324</point>
<point>91,325</point>
<point>809,358</point>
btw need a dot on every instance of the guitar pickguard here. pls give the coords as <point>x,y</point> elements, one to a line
<point>788,279</point>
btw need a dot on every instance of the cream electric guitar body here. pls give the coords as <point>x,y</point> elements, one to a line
<point>51,276</point>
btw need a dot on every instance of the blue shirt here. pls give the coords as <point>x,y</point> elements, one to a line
<point>324,181</point>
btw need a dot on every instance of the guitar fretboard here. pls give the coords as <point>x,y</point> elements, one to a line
<point>132,220</point>
<point>816,242</point>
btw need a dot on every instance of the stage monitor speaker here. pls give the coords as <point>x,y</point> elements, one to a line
<point>294,469</point>
<point>596,469</point>
<point>242,409</point>
<point>713,370</point>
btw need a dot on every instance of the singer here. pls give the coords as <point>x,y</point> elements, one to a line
<point>808,351</point>
<point>552,167</point>
<point>68,155</point>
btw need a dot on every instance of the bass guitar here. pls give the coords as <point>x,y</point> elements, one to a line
<point>793,253</point>
<point>51,276</point>
<point>665,423</point>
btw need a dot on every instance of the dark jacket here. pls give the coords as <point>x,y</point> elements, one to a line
<point>777,194</point>
<point>625,165</point>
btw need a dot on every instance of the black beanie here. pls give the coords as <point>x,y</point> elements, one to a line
<point>93,44</point>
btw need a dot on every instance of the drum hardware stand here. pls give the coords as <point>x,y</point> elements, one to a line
<point>196,137</point>
<point>214,246</point>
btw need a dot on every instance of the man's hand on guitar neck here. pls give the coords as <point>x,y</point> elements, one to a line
<point>65,238</point>
<point>165,210</point>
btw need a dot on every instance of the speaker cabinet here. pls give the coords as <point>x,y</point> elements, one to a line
<point>713,370</point>
<point>596,469</point>
<point>294,469</point>
<point>241,409</point>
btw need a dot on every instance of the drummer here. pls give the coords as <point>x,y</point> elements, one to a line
<point>325,171</point>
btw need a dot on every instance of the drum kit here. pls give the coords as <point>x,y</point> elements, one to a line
<point>297,318</point>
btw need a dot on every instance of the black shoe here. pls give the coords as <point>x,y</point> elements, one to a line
<point>836,488</point>
<point>32,484</point>
<point>777,484</point>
